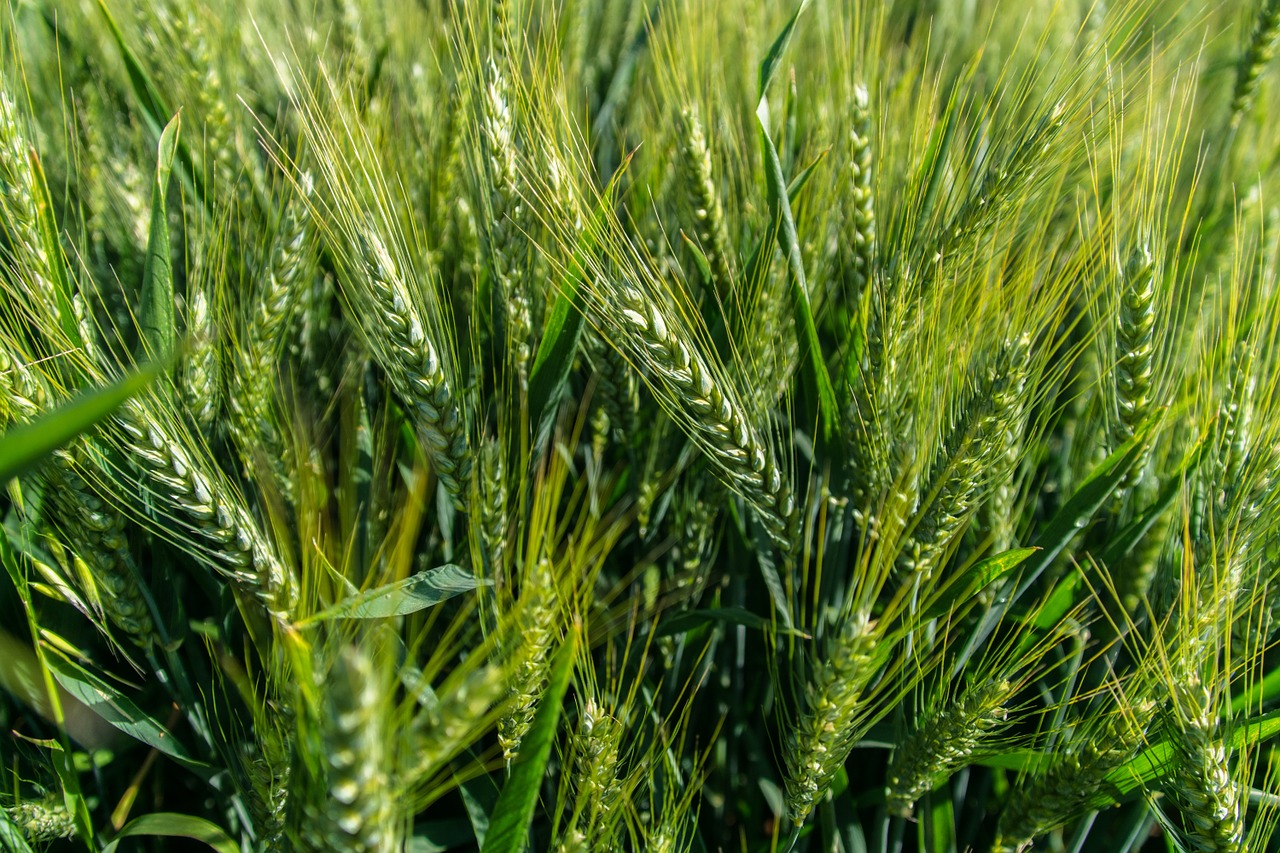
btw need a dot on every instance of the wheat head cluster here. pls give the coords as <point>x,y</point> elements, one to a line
<point>640,425</point>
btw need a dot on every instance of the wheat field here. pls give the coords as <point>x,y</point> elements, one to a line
<point>640,425</point>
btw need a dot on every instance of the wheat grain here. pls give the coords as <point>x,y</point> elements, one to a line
<point>201,373</point>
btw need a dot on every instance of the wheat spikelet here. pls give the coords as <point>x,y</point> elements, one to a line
<point>1262,47</point>
<point>397,334</point>
<point>1059,793</point>
<point>1135,344</point>
<point>599,789</point>
<point>817,747</point>
<point>507,222</point>
<point>943,741</point>
<point>201,371</point>
<point>716,420</point>
<point>710,228</point>
<point>289,277</point>
<point>1211,800</point>
<point>449,722</point>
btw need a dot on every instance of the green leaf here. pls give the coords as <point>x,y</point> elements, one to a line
<point>437,836</point>
<point>1079,510</point>
<point>509,823</point>
<point>423,590</point>
<point>154,110</point>
<point>563,328</point>
<point>816,379</point>
<point>800,181</point>
<point>965,585</point>
<point>699,259</point>
<point>109,704</point>
<point>23,446</point>
<point>773,58</point>
<point>172,825</point>
<point>156,312</point>
<point>692,619</point>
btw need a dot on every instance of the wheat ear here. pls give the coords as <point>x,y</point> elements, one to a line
<point>708,215</point>
<point>824,735</point>
<point>1262,47</point>
<point>714,417</point>
<point>397,334</point>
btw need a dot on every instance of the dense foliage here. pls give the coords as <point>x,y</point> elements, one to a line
<point>609,425</point>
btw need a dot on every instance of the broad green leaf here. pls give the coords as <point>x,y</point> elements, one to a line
<point>976,578</point>
<point>938,829</point>
<point>423,590</point>
<point>563,328</point>
<point>509,823</point>
<point>171,825</point>
<point>691,619</point>
<point>117,710</point>
<point>23,446</point>
<point>773,58</point>
<point>156,312</point>
<point>800,181</point>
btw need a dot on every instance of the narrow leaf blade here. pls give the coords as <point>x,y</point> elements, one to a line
<point>156,311</point>
<point>509,824</point>
<point>25,445</point>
